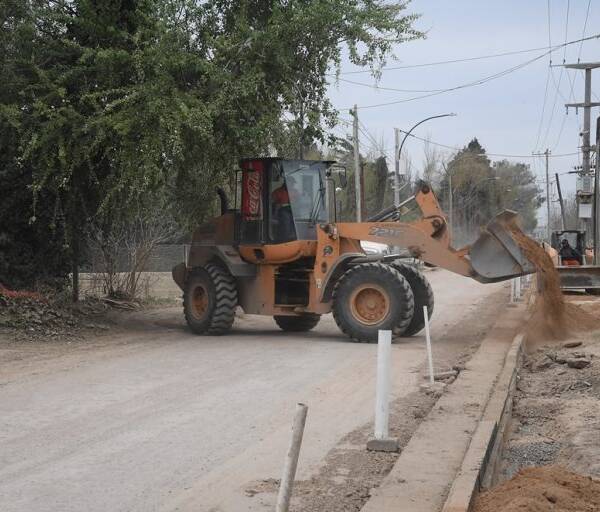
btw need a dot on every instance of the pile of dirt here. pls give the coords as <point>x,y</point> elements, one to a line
<point>542,489</point>
<point>553,318</point>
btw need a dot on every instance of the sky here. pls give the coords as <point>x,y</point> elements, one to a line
<point>512,114</point>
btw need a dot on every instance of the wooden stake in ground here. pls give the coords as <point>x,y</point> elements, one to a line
<point>428,345</point>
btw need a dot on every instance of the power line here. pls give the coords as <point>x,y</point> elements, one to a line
<point>375,147</point>
<point>572,79</point>
<point>575,75</point>
<point>549,31</point>
<point>556,86</point>
<point>587,15</point>
<point>381,88</point>
<point>502,155</point>
<point>458,87</point>
<point>464,59</point>
<point>571,82</point>
<point>539,131</point>
<point>473,83</point>
<point>560,131</point>
<point>363,129</point>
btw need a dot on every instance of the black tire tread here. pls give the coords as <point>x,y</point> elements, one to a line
<point>226,300</point>
<point>404,294</point>
<point>423,294</point>
<point>302,323</point>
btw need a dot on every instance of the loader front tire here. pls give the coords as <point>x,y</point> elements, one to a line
<point>209,300</point>
<point>300,323</point>
<point>370,297</point>
<point>422,293</point>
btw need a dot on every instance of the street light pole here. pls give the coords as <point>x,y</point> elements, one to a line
<point>399,152</point>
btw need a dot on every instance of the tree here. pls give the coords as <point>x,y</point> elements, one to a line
<point>481,189</point>
<point>376,183</point>
<point>516,189</point>
<point>118,101</point>
<point>122,247</point>
<point>471,173</point>
<point>33,248</point>
<point>432,169</point>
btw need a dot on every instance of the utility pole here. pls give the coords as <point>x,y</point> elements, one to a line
<point>450,201</point>
<point>562,205</point>
<point>587,109</point>
<point>396,167</point>
<point>357,173</point>
<point>596,190</point>
<point>548,228</point>
<point>363,207</point>
<point>547,153</point>
<point>585,134</point>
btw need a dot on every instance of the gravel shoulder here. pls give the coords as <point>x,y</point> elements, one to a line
<point>556,415</point>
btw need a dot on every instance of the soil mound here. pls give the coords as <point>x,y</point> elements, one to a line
<point>542,489</point>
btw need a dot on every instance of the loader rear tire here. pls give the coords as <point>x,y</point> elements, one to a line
<point>370,297</point>
<point>423,294</point>
<point>301,323</point>
<point>209,300</point>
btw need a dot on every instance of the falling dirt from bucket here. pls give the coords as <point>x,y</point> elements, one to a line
<point>553,318</point>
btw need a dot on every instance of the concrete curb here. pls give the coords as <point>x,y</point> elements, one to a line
<point>481,463</point>
<point>444,445</point>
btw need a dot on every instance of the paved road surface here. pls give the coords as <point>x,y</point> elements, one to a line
<point>158,419</point>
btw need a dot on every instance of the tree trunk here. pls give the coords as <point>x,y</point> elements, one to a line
<point>75,264</point>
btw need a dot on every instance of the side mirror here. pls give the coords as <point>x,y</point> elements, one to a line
<point>342,173</point>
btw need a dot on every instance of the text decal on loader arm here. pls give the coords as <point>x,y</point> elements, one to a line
<point>385,232</point>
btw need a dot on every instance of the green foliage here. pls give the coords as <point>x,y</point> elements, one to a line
<point>105,104</point>
<point>31,253</point>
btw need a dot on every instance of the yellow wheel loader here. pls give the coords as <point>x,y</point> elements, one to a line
<point>281,252</point>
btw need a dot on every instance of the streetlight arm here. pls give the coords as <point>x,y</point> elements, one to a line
<point>406,134</point>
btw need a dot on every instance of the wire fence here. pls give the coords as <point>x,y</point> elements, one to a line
<point>163,258</point>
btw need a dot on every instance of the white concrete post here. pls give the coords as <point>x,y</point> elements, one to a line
<point>428,342</point>
<point>291,460</point>
<point>515,289</point>
<point>382,394</point>
<point>381,442</point>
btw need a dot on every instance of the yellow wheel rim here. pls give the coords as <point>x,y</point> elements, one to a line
<point>199,301</point>
<point>369,304</point>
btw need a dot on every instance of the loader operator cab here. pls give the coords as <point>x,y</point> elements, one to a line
<point>281,200</point>
<point>570,245</point>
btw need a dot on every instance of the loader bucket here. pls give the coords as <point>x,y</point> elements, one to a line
<point>496,256</point>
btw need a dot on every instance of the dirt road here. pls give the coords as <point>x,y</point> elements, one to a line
<point>155,418</point>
